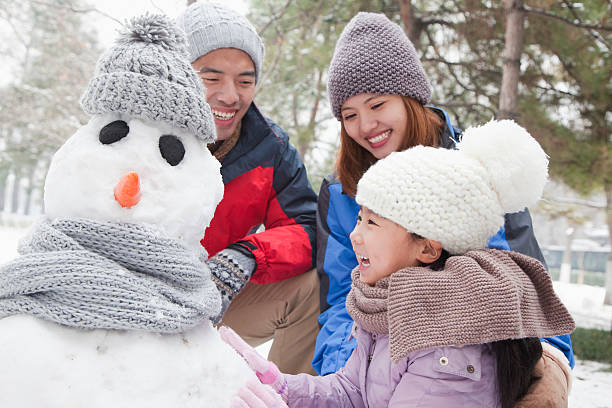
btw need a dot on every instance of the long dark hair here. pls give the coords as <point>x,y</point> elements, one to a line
<point>515,358</point>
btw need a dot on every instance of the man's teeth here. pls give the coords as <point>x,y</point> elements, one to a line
<point>223,115</point>
<point>380,137</point>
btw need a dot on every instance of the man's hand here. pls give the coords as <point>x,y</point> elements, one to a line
<point>230,270</point>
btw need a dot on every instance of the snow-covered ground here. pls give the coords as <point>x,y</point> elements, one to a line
<point>592,386</point>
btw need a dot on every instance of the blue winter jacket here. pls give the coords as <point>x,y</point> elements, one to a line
<point>336,218</point>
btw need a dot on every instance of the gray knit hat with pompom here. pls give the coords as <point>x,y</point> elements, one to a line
<point>146,74</point>
<point>373,55</point>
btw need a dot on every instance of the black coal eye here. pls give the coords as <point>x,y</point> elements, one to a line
<point>171,149</point>
<point>113,132</point>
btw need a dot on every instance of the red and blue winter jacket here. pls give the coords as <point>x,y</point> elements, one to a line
<point>265,184</point>
<point>336,218</point>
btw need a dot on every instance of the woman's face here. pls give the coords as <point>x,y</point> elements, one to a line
<point>382,247</point>
<point>377,122</point>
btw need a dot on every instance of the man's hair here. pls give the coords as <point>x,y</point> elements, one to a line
<point>424,127</point>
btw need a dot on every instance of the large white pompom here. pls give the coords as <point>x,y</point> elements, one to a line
<point>515,161</point>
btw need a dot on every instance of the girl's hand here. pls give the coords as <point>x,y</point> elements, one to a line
<point>257,395</point>
<point>266,371</point>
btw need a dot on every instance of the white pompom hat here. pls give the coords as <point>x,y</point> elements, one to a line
<point>458,197</point>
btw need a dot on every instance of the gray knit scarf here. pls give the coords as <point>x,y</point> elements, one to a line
<point>91,275</point>
<point>480,297</point>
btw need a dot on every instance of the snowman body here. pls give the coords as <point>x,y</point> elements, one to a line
<point>46,364</point>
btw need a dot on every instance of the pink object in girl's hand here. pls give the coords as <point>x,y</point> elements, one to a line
<point>267,372</point>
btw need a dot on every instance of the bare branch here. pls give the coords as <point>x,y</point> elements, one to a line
<point>70,7</point>
<point>275,17</point>
<point>565,20</point>
<point>593,33</point>
<point>585,203</point>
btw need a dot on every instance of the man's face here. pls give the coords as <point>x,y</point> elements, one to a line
<point>228,75</point>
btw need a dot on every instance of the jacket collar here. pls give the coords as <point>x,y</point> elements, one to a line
<point>254,129</point>
<point>451,134</point>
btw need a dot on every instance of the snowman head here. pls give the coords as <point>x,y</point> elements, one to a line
<point>142,158</point>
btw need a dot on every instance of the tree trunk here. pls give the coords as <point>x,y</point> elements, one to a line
<point>28,191</point>
<point>608,295</point>
<point>3,180</point>
<point>515,30</point>
<point>16,192</point>
<point>412,25</point>
<point>565,271</point>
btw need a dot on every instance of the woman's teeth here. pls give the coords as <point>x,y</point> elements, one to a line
<point>223,115</point>
<point>380,137</point>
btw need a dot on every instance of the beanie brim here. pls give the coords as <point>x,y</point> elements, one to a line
<point>150,99</point>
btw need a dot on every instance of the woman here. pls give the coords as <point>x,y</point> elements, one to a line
<point>378,91</point>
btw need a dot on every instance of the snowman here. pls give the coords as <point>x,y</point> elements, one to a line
<point>109,303</point>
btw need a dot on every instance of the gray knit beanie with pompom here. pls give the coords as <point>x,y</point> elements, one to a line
<point>146,74</point>
<point>373,55</point>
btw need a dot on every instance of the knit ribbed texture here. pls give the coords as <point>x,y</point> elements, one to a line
<point>221,148</point>
<point>231,270</point>
<point>146,74</point>
<point>374,55</point>
<point>102,275</point>
<point>368,305</point>
<point>484,296</point>
<point>210,26</point>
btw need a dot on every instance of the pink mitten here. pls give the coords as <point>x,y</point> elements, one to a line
<point>267,372</point>
<point>257,395</point>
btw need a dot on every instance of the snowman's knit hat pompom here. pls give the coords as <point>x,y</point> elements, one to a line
<point>155,29</point>
<point>516,163</point>
<point>147,74</point>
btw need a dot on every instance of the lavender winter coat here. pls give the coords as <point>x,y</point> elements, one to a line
<point>440,377</point>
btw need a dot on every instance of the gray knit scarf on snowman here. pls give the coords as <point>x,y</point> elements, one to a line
<point>105,275</point>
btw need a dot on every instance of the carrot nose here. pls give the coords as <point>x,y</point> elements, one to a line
<point>127,191</point>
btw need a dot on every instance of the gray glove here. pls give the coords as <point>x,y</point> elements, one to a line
<point>230,271</point>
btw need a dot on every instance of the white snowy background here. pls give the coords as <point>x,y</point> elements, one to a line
<point>592,385</point>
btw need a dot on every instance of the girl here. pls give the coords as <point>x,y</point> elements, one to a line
<point>439,320</point>
<point>378,91</point>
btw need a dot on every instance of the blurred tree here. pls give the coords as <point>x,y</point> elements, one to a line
<point>51,54</point>
<point>567,94</point>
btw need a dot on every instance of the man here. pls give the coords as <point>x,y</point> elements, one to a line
<point>265,277</point>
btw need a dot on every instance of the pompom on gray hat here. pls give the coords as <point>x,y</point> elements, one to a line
<point>146,74</point>
<point>210,26</point>
<point>458,197</point>
<point>374,55</point>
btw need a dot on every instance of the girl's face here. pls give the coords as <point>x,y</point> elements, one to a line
<point>382,247</point>
<point>377,122</point>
